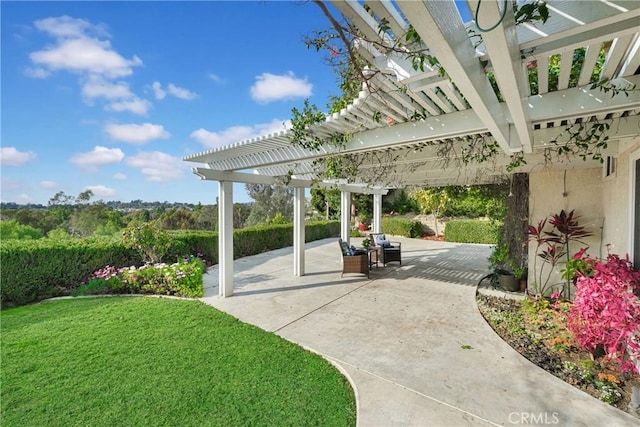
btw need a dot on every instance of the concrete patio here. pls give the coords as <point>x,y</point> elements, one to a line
<point>403,336</point>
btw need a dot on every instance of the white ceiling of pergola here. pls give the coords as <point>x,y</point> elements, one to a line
<point>463,105</point>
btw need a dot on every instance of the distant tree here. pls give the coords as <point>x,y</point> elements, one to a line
<point>59,234</point>
<point>85,220</point>
<point>241,212</point>
<point>84,197</point>
<point>363,204</point>
<point>177,219</point>
<point>326,202</point>
<point>12,229</point>
<point>138,216</point>
<point>433,201</point>
<point>61,206</point>
<point>206,217</point>
<point>398,201</point>
<point>477,201</point>
<point>269,201</point>
<point>42,219</point>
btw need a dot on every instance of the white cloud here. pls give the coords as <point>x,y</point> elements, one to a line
<point>216,78</point>
<point>97,87</point>
<point>270,87</point>
<point>158,91</point>
<point>181,93</point>
<point>136,134</point>
<point>120,176</point>
<point>83,48</point>
<point>48,185</point>
<point>136,105</point>
<point>157,166</point>
<point>237,133</point>
<point>101,190</point>
<point>36,73</point>
<point>172,89</point>
<point>10,156</point>
<point>68,27</point>
<point>98,156</point>
<point>85,55</point>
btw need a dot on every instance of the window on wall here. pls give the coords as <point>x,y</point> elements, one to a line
<point>610,164</point>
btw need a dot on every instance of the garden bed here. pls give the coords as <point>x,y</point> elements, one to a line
<point>535,330</point>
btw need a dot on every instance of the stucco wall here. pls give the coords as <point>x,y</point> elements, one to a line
<point>603,205</point>
<point>617,204</point>
<point>574,189</point>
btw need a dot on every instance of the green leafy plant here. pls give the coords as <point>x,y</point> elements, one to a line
<point>148,239</point>
<point>579,265</point>
<point>609,389</point>
<point>182,279</point>
<point>499,256</point>
<point>519,272</point>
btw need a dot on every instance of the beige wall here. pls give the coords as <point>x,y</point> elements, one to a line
<point>574,189</point>
<point>616,203</point>
<point>602,204</point>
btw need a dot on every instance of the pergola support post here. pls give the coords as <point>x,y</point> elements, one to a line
<point>345,216</point>
<point>225,238</point>
<point>298,231</point>
<point>377,213</point>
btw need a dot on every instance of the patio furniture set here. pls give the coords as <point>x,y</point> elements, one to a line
<point>360,260</point>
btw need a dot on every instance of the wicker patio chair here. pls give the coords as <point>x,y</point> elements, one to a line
<point>353,263</point>
<point>387,251</point>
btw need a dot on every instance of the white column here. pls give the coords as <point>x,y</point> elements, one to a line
<point>345,216</point>
<point>225,238</point>
<point>298,231</point>
<point>377,213</point>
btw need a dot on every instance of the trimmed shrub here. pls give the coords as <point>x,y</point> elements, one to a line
<point>472,231</point>
<point>402,227</point>
<point>37,269</point>
<point>44,268</point>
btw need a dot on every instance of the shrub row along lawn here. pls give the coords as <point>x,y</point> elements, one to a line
<point>150,361</point>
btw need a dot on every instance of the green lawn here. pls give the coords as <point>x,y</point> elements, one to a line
<point>127,361</point>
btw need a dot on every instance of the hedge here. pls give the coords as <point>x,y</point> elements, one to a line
<point>36,269</point>
<point>402,227</point>
<point>472,231</point>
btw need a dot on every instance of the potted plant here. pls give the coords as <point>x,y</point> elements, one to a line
<point>366,243</point>
<point>363,221</point>
<point>499,260</point>
<point>520,274</point>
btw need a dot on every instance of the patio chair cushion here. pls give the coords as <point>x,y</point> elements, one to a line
<point>378,239</point>
<point>356,251</point>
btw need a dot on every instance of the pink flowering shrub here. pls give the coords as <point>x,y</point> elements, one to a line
<point>180,279</point>
<point>606,310</point>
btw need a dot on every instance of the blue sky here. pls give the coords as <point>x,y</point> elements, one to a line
<point>109,96</point>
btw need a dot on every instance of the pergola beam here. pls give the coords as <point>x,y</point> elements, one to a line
<point>438,23</point>
<point>248,178</point>
<point>502,45</point>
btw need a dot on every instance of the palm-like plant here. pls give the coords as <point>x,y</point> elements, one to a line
<point>554,245</point>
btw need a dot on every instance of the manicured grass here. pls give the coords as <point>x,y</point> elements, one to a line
<point>158,362</point>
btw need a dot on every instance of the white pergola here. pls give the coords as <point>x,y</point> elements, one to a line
<point>455,109</point>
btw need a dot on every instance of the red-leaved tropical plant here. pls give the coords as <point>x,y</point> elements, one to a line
<point>554,245</point>
<point>606,311</point>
